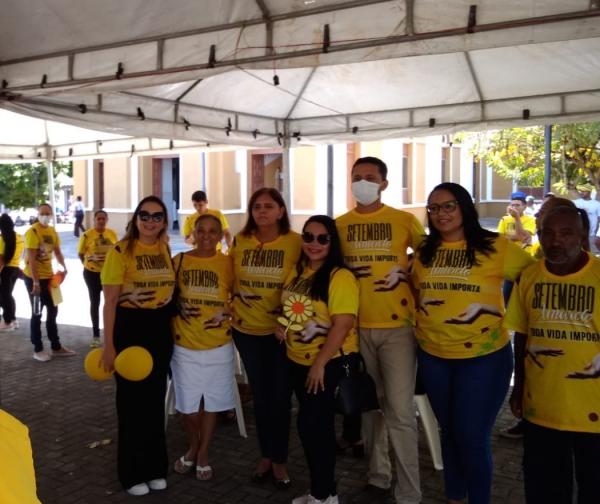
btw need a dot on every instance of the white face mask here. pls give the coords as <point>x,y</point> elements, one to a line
<point>365,192</point>
<point>44,219</point>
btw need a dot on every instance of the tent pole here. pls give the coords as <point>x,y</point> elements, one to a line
<point>547,158</point>
<point>285,168</point>
<point>50,170</point>
<point>330,180</point>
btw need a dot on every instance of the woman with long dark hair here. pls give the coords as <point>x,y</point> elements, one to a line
<point>320,304</point>
<point>464,355</point>
<point>11,250</point>
<point>138,282</point>
<point>264,253</point>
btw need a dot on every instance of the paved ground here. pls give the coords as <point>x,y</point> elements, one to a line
<point>66,412</point>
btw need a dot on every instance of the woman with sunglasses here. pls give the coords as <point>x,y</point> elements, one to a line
<point>203,355</point>
<point>93,246</point>
<point>464,355</point>
<point>320,304</point>
<point>264,253</point>
<point>138,282</point>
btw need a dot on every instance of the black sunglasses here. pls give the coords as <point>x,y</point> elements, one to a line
<point>154,217</point>
<point>308,237</point>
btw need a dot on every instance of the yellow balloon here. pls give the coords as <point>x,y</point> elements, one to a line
<point>93,366</point>
<point>134,363</point>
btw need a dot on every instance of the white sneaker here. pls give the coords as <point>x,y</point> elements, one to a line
<point>309,499</point>
<point>7,327</point>
<point>139,489</point>
<point>157,484</point>
<point>41,356</point>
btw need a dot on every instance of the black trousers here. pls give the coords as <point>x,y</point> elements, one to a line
<point>549,458</point>
<point>78,223</point>
<point>94,285</point>
<point>35,325</point>
<point>316,426</point>
<point>267,367</point>
<point>142,450</point>
<point>8,278</point>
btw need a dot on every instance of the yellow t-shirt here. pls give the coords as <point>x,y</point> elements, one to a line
<point>304,344</point>
<point>506,226</point>
<point>15,261</point>
<point>16,463</point>
<point>461,306</point>
<point>190,221</point>
<point>561,318</point>
<point>260,270</point>
<point>205,285</point>
<point>44,240</point>
<point>94,246</point>
<point>146,275</point>
<point>375,248</point>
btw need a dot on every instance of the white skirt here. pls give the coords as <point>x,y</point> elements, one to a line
<point>203,374</point>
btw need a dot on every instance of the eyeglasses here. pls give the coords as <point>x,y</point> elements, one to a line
<point>154,217</point>
<point>322,239</point>
<point>446,206</point>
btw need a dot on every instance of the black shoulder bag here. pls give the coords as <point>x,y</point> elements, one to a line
<point>356,392</point>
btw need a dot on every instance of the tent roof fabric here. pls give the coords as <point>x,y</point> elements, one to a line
<point>202,71</point>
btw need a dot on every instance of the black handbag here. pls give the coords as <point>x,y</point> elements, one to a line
<point>356,392</point>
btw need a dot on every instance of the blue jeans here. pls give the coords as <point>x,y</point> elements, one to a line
<point>466,396</point>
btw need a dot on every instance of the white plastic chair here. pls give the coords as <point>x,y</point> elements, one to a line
<point>239,412</point>
<point>432,432</point>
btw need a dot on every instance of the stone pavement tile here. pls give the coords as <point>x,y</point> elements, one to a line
<point>66,412</point>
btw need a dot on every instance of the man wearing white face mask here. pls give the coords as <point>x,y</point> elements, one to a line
<point>41,240</point>
<point>375,239</point>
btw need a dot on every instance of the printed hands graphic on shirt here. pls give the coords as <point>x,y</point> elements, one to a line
<point>137,296</point>
<point>311,330</point>
<point>187,311</point>
<point>217,320</point>
<point>361,271</point>
<point>473,312</point>
<point>96,257</point>
<point>244,297</point>
<point>425,301</point>
<point>392,279</point>
<point>592,370</point>
<point>535,351</point>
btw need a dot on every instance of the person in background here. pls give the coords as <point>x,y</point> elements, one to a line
<point>79,215</point>
<point>200,203</point>
<point>203,355</point>
<point>41,241</point>
<point>530,207</point>
<point>465,356</point>
<point>516,225</point>
<point>592,207</point>
<point>375,241</point>
<point>321,296</point>
<point>11,250</point>
<point>264,252</point>
<point>93,246</point>
<point>138,282</point>
<point>557,363</point>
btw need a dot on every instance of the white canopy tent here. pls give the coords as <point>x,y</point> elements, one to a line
<point>204,70</point>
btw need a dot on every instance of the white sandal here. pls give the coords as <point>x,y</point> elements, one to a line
<point>204,473</point>
<point>183,466</point>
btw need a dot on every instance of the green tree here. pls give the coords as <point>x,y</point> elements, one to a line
<point>518,154</point>
<point>26,184</point>
<point>579,146</point>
